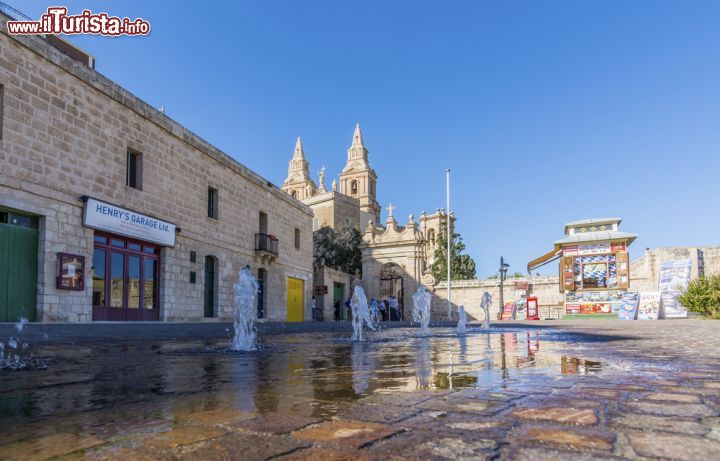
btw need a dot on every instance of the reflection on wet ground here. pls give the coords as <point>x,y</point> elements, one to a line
<point>100,388</point>
<point>100,394</point>
<point>324,368</point>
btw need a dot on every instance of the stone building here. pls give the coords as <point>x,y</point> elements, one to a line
<point>110,210</point>
<point>396,259</point>
<point>353,203</point>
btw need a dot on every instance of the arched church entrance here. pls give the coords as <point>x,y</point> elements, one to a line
<point>392,286</point>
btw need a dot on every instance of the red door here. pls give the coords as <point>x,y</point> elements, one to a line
<point>125,279</point>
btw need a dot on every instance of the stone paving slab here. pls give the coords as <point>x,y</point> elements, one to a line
<point>660,401</point>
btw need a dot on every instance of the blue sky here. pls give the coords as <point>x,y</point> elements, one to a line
<point>546,112</point>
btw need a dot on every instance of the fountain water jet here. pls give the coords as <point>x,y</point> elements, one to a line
<point>244,311</point>
<point>462,321</point>
<point>421,309</point>
<point>15,354</point>
<point>485,304</point>
<point>360,314</point>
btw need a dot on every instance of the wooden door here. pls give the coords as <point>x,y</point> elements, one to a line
<point>18,272</point>
<point>295,290</point>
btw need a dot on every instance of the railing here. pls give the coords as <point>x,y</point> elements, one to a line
<point>13,13</point>
<point>266,243</point>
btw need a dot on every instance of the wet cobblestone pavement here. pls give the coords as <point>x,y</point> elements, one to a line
<point>577,390</point>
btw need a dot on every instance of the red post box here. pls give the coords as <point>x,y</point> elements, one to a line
<point>532,308</point>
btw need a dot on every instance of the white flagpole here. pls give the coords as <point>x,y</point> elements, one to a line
<point>449,242</point>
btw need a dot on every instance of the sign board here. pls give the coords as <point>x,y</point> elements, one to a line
<point>570,250</point>
<point>508,312</point>
<point>321,290</point>
<point>594,249</point>
<point>112,218</point>
<point>675,274</point>
<point>649,305</point>
<point>617,247</point>
<point>628,307</point>
<point>532,308</point>
<point>674,279</point>
<point>71,272</point>
<point>520,310</point>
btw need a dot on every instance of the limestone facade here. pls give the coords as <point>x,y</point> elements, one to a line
<point>352,202</point>
<point>66,133</point>
<point>335,210</point>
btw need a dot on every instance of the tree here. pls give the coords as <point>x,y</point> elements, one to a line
<point>703,296</point>
<point>462,266</point>
<point>338,249</point>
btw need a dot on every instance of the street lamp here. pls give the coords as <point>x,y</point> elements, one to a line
<point>503,275</point>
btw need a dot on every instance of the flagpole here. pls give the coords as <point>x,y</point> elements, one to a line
<point>449,241</point>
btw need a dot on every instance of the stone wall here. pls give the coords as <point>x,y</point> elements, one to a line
<point>335,210</point>
<point>468,293</point>
<point>328,276</point>
<point>66,133</point>
<point>645,271</point>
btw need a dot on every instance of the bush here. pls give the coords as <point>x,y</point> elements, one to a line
<point>703,296</point>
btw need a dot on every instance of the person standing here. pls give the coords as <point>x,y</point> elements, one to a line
<point>348,310</point>
<point>383,310</point>
<point>337,310</point>
<point>374,310</point>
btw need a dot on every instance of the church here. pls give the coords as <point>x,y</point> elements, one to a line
<point>396,258</point>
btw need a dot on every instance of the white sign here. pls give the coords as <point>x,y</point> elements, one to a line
<point>649,305</point>
<point>674,279</point>
<point>594,249</point>
<point>111,218</point>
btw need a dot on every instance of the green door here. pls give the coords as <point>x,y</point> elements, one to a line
<point>18,267</point>
<point>339,295</point>
<point>209,286</point>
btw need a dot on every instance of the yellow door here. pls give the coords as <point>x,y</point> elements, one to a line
<point>295,290</point>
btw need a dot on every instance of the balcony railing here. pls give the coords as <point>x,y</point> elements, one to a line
<point>266,243</point>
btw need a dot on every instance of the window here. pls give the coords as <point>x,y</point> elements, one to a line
<point>134,170</point>
<point>431,235</point>
<point>599,271</point>
<point>354,188</point>
<point>293,194</point>
<point>2,107</point>
<point>316,224</point>
<point>212,203</point>
<point>193,256</point>
<point>297,238</point>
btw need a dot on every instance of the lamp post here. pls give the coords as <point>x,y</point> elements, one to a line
<point>449,243</point>
<point>503,275</point>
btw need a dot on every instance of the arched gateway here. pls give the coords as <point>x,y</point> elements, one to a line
<point>391,282</point>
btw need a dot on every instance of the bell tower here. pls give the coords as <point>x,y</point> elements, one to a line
<point>358,180</point>
<point>298,183</point>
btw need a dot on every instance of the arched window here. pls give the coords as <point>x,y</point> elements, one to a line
<point>431,236</point>
<point>354,188</point>
<point>293,194</point>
